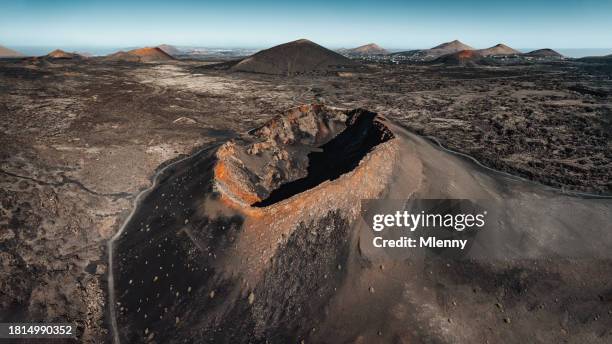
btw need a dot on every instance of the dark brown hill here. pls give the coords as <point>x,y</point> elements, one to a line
<point>368,49</point>
<point>607,59</point>
<point>460,58</point>
<point>60,54</point>
<point>151,54</point>
<point>297,57</point>
<point>499,49</point>
<point>140,55</point>
<point>544,53</point>
<point>452,47</point>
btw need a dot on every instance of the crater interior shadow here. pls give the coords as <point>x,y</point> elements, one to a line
<point>338,156</point>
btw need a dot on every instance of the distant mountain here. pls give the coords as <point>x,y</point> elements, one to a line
<point>435,52</point>
<point>170,50</point>
<point>6,52</point>
<point>368,49</point>
<point>544,53</point>
<point>452,47</point>
<point>499,49</point>
<point>148,54</point>
<point>60,54</point>
<point>297,57</point>
<point>151,54</point>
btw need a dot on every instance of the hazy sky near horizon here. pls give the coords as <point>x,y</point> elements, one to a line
<point>339,23</point>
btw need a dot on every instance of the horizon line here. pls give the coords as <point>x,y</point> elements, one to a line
<point>237,46</point>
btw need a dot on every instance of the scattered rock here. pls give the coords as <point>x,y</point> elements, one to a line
<point>251,298</point>
<point>184,121</point>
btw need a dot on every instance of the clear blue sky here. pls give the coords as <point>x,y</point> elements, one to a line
<point>342,23</point>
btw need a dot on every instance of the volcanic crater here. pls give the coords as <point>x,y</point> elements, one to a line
<point>229,222</point>
<point>296,152</point>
